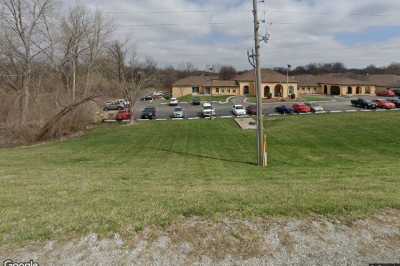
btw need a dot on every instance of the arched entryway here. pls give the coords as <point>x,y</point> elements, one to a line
<point>335,90</point>
<point>267,92</point>
<point>349,90</point>
<point>246,90</point>
<point>358,90</point>
<point>326,90</point>
<point>278,92</point>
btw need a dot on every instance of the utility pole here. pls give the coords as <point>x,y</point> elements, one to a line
<point>261,145</point>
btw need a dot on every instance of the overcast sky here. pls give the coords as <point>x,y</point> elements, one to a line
<point>207,32</point>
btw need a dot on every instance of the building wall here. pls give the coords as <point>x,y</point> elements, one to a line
<point>307,90</point>
<point>221,91</point>
<point>274,88</point>
<point>344,90</point>
<point>181,91</point>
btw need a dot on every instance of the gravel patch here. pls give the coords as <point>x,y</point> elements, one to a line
<point>317,241</point>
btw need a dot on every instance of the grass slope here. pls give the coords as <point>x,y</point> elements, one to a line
<point>120,179</point>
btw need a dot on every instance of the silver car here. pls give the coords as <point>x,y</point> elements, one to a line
<point>315,107</point>
<point>178,112</point>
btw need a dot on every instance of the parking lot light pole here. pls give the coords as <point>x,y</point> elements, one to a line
<point>262,155</point>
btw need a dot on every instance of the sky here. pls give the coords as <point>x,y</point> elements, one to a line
<point>207,32</point>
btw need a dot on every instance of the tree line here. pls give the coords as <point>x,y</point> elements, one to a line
<point>326,68</point>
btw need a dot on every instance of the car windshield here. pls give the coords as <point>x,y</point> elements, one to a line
<point>207,107</point>
<point>178,109</point>
<point>239,107</point>
<point>148,109</point>
<point>368,101</point>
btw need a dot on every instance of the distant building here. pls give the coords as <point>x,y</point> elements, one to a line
<point>274,85</point>
<point>334,84</point>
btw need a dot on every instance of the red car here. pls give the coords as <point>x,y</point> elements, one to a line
<point>386,93</point>
<point>385,104</point>
<point>123,116</point>
<point>301,108</point>
<point>251,110</point>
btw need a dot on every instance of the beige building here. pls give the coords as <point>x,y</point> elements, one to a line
<point>334,84</point>
<point>274,85</point>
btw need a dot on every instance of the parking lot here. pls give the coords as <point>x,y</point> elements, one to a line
<point>224,110</point>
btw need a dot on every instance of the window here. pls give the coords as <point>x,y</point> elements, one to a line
<point>223,90</point>
<point>216,90</point>
<point>234,91</point>
<point>368,90</point>
<point>229,90</point>
<point>195,90</point>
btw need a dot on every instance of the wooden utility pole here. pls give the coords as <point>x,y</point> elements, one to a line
<point>262,155</point>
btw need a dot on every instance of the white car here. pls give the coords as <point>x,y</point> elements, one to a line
<point>122,102</point>
<point>178,112</point>
<point>208,110</point>
<point>173,102</point>
<point>239,110</point>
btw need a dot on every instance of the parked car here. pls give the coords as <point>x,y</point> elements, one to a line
<point>363,103</point>
<point>238,110</point>
<point>122,102</point>
<point>178,112</point>
<point>383,104</point>
<point>147,98</point>
<point>149,113</point>
<point>396,102</point>
<point>208,110</point>
<point>196,101</point>
<point>315,107</point>
<point>123,116</point>
<point>111,106</point>
<point>173,102</point>
<point>301,108</point>
<point>386,93</point>
<point>251,110</point>
<point>283,109</point>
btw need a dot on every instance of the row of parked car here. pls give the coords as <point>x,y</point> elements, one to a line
<point>380,103</point>
<point>178,112</point>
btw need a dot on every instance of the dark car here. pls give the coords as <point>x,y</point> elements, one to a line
<point>363,103</point>
<point>396,102</point>
<point>284,110</point>
<point>147,98</point>
<point>149,113</point>
<point>251,110</point>
<point>196,101</point>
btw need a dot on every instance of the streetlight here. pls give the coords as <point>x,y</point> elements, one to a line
<point>287,79</point>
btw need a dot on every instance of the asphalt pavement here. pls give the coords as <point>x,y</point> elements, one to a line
<point>164,111</point>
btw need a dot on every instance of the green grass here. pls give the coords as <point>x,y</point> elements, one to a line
<point>189,98</point>
<point>121,179</point>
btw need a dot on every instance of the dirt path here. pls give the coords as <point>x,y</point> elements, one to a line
<point>233,242</point>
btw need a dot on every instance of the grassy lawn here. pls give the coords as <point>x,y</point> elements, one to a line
<point>121,179</point>
<point>188,98</point>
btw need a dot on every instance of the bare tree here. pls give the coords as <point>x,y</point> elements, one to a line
<point>24,36</point>
<point>141,76</point>
<point>227,72</point>
<point>118,53</point>
<point>96,39</point>
<point>75,28</point>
